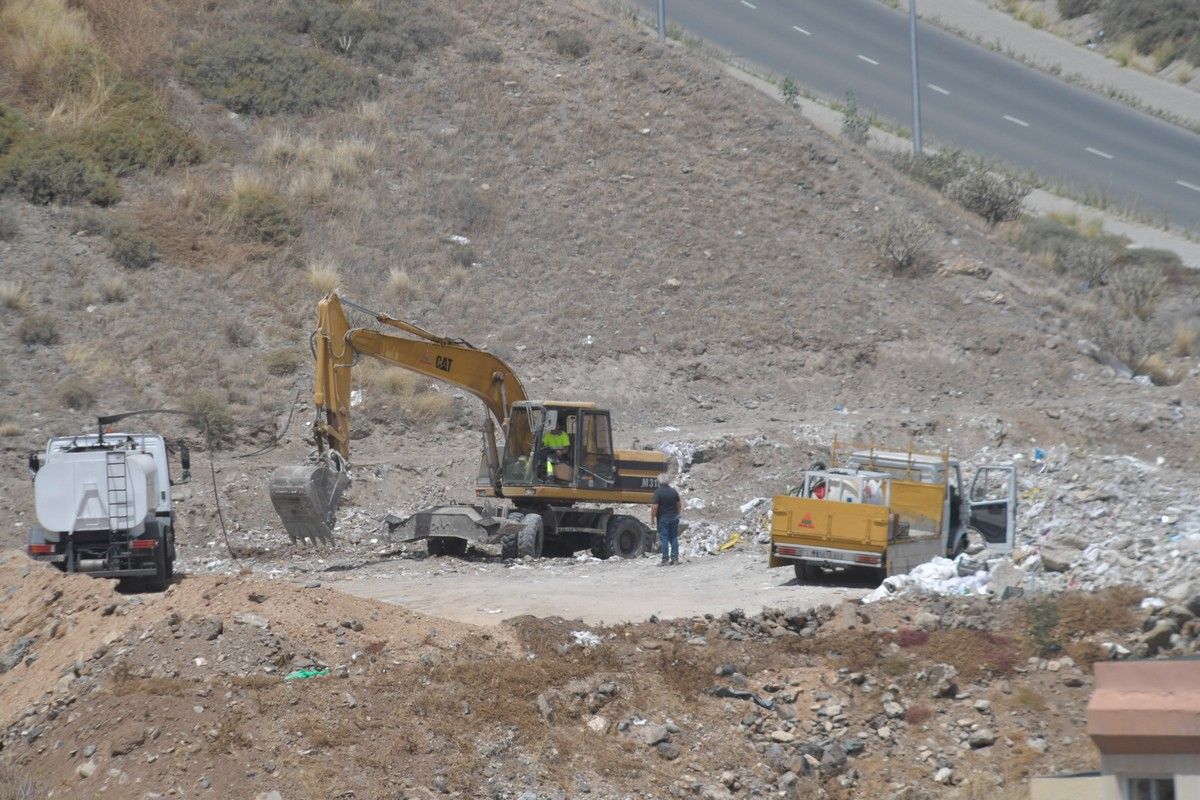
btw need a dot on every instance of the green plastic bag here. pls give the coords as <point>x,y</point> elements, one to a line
<point>301,674</point>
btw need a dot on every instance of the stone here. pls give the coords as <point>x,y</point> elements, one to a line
<point>884,733</point>
<point>211,628</point>
<point>653,734</point>
<point>86,770</point>
<point>944,776</point>
<point>1159,636</point>
<point>1058,559</point>
<point>543,707</point>
<point>1006,575</point>
<point>893,710</point>
<point>598,724</point>
<point>983,706</point>
<point>668,751</point>
<point>926,621</point>
<point>1036,744</point>
<point>271,795</point>
<point>254,620</point>
<point>833,759</point>
<point>984,737</point>
<point>89,751</point>
<point>783,737</point>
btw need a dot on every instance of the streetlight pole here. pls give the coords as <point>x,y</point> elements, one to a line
<point>916,83</point>
<point>662,21</point>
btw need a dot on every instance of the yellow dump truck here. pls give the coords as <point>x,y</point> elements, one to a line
<point>890,511</point>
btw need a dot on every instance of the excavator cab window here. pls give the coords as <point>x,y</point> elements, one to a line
<point>595,453</point>
<point>520,448</point>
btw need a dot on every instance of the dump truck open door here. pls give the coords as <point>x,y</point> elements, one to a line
<point>994,506</point>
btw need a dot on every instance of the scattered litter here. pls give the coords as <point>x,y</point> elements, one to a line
<point>749,506</point>
<point>356,398</point>
<point>695,504</point>
<point>733,541</point>
<point>1152,603</point>
<point>200,661</point>
<point>938,577</point>
<point>492,610</point>
<point>301,674</point>
<point>459,240</point>
<point>585,638</point>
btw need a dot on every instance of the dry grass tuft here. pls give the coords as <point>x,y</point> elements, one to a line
<point>35,34</point>
<point>323,276</point>
<point>311,187</point>
<point>349,158</point>
<point>395,381</point>
<point>114,290</point>
<point>11,429</point>
<point>974,653</point>
<point>1082,615</point>
<point>430,407</point>
<point>14,296</point>
<point>1027,698</point>
<point>286,149</point>
<point>401,284</point>
<point>1187,339</point>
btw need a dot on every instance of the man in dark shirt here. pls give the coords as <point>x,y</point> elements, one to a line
<point>665,513</point>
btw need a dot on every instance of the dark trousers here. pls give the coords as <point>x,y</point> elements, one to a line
<point>668,536</point>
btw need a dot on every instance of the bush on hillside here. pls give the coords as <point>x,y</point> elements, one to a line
<point>10,226</point>
<point>57,173</point>
<point>212,412</point>
<point>139,139</point>
<point>1164,260</point>
<point>255,75</point>
<point>12,128</point>
<point>483,54</point>
<point>937,170</point>
<point>1155,23</point>
<point>282,362</point>
<point>994,197</point>
<point>571,43</point>
<point>131,249</point>
<point>76,394</point>
<point>902,242</point>
<point>1137,290</point>
<point>1077,8</point>
<point>259,214</point>
<point>38,329</point>
<point>1089,262</point>
<point>384,34</point>
<point>854,125</point>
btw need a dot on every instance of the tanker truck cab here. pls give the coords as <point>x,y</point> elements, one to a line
<point>103,503</point>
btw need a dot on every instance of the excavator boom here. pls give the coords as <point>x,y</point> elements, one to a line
<point>306,497</point>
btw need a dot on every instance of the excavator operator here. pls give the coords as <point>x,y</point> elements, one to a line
<point>557,443</point>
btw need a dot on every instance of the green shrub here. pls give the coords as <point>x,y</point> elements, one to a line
<point>142,138</point>
<point>790,90</point>
<point>854,125</point>
<point>1041,618</point>
<point>1077,8</point>
<point>259,214</point>
<point>483,54</point>
<point>902,241</point>
<point>572,43</point>
<point>10,226</point>
<point>238,333</point>
<point>76,394</point>
<point>131,249</point>
<point>1089,262</point>
<point>213,411</point>
<point>937,170</point>
<point>57,173</point>
<point>254,75</point>
<point>1153,23</point>
<point>12,129</point>
<point>38,329</point>
<point>1137,289</point>
<point>994,197</point>
<point>384,35</point>
<point>1163,260</point>
<point>282,362</point>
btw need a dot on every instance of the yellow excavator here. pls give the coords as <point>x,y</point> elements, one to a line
<point>556,465</point>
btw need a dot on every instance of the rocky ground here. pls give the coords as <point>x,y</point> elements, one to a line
<point>200,692</point>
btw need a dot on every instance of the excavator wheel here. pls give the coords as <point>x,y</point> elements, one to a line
<point>508,543</point>
<point>531,538</point>
<point>433,545</point>
<point>623,537</point>
<point>452,546</point>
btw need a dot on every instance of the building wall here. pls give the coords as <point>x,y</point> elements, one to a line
<point>1184,767</point>
<point>1092,787</point>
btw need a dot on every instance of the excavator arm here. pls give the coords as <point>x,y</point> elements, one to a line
<point>306,497</point>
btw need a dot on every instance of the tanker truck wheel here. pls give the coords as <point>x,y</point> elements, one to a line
<point>164,569</point>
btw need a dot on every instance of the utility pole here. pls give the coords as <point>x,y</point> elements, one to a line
<point>916,83</point>
<point>662,21</point>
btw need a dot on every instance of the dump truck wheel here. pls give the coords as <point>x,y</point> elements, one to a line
<point>454,547</point>
<point>531,538</point>
<point>806,572</point>
<point>623,537</point>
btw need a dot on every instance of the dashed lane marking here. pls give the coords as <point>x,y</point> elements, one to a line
<point>798,29</point>
<point>937,88</point>
<point>749,5</point>
<point>1187,185</point>
<point>1016,121</point>
<point>870,61</point>
<point>1100,153</point>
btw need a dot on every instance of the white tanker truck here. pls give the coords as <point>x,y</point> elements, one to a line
<point>103,505</point>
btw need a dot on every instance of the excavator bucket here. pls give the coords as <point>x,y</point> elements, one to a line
<point>306,499</point>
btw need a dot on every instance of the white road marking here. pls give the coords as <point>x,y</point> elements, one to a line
<point>1187,185</point>
<point>748,5</point>
<point>870,61</point>
<point>1016,121</point>
<point>1100,153</point>
<point>937,88</point>
<point>801,30</point>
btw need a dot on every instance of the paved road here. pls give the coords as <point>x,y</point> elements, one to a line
<point>971,97</point>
